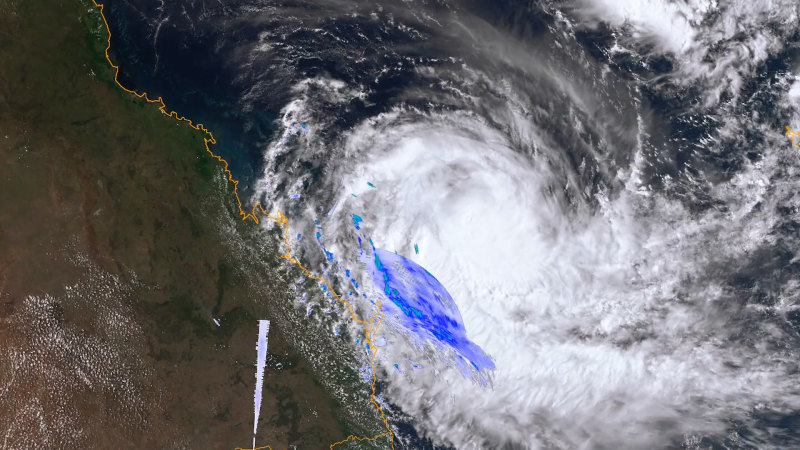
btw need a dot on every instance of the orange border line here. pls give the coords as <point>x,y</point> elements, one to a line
<point>793,134</point>
<point>370,326</point>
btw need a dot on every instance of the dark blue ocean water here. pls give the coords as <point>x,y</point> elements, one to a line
<point>180,62</point>
<point>198,57</point>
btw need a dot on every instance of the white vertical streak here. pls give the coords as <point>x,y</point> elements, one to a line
<point>261,349</point>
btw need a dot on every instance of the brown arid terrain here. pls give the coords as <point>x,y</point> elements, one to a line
<point>120,242</point>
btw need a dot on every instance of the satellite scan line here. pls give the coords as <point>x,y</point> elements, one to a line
<point>261,361</point>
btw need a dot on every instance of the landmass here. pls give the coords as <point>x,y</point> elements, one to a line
<point>129,287</point>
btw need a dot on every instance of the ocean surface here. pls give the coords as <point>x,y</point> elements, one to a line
<point>602,191</point>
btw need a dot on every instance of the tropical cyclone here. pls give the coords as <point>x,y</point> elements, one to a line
<point>609,205</point>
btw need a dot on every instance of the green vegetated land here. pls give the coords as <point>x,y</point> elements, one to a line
<point>119,242</point>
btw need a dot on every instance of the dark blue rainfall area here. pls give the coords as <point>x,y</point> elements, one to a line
<point>423,305</point>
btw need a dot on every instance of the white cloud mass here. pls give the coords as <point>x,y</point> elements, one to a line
<point>606,329</point>
<point>618,315</point>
